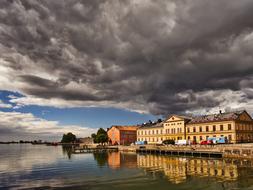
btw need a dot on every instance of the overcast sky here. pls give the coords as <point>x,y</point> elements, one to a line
<point>152,58</point>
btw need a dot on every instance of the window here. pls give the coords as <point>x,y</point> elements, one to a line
<point>157,132</point>
<point>221,127</point>
<point>207,128</point>
<point>188,130</point>
<point>194,129</point>
<point>200,129</point>
<point>207,137</point>
<point>200,138</point>
<point>214,128</point>
<point>161,131</point>
<point>229,126</point>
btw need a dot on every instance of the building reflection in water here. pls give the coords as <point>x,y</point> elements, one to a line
<point>178,169</point>
<point>122,160</point>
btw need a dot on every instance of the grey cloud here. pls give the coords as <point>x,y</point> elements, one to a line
<point>148,53</point>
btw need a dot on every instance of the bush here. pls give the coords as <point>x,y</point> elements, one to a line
<point>169,141</point>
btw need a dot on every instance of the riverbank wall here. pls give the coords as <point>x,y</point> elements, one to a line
<point>244,151</point>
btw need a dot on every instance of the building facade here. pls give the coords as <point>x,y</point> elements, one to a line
<point>122,135</point>
<point>153,133</point>
<point>235,127</point>
<point>175,127</point>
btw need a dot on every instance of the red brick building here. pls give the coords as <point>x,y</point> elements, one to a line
<point>122,135</point>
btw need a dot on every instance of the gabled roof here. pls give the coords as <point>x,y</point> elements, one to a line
<point>179,116</point>
<point>218,117</point>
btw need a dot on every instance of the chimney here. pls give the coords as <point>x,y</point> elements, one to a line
<point>220,112</point>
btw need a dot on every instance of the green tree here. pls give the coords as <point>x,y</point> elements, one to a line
<point>100,137</point>
<point>68,138</point>
<point>94,137</point>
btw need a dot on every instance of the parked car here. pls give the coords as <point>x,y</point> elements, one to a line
<point>217,140</point>
<point>181,142</point>
<point>203,142</point>
<point>141,142</point>
<point>169,141</point>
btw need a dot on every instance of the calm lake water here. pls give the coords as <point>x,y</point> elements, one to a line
<point>45,167</point>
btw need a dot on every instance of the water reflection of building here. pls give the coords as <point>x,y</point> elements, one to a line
<point>122,160</point>
<point>177,169</point>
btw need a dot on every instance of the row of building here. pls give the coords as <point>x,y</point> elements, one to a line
<point>235,127</point>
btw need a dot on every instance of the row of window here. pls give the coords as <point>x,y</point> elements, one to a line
<point>244,127</point>
<point>150,132</point>
<point>173,131</point>
<point>189,129</point>
<point>208,128</point>
<point>151,139</point>
<point>168,124</point>
<point>167,131</point>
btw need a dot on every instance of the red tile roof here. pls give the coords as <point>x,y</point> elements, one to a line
<point>126,128</point>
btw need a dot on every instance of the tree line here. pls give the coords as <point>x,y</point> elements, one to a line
<point>99,137</point>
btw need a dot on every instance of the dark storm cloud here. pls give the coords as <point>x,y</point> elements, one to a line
<point>168,56</point>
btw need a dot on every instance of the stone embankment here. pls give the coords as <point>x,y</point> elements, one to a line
<point>226,150</point>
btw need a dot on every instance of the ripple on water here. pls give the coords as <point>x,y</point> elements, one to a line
<point>50,167</point>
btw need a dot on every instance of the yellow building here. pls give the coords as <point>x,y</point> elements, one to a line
<point>174,127</point>
<point>235,127</point>
<point>151,132</point>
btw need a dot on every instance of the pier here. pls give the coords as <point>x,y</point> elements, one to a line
<point>191,153</point>
<point>86,149</point>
